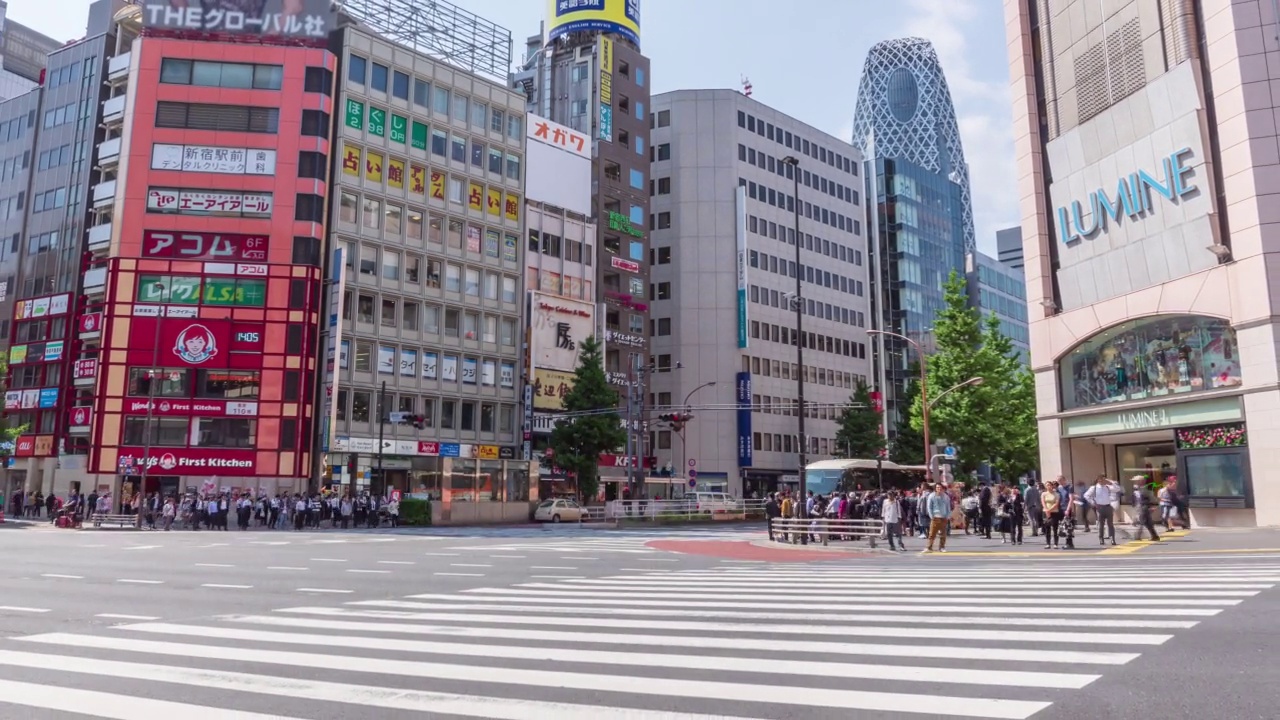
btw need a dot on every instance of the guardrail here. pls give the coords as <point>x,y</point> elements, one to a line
<point>684,509</point>
<point>824,530</point>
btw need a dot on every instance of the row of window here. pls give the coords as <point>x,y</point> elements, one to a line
<point>413,316</point>
<point>812,374</point>
<point>49,200</point>
<point>786,335</point>
<point>235,118</point>
<point>53,158</point>
<point>439,99</point>
<point>558,247</point>
<point>818,276</point>
<point>13,206</point>
<point>774,231</point>
<point>10,167</point>
<point>553,283</point>
<point>783,201</point>
<point>814,181</point>
<point>206,73</point>
<point>210,432</point>
<point>1002,305</point>
<point>820,310</point>
<point>457,278</point>
<point>751,123</point>
<point>442,413</point>
<point>59,116</point>
<point>777,405</point>
<point>217,384</point>
<point>1007,283</point>
<point>398,225</point>
<point>783,442</point>
<point>13,129</point>
<point>414,362</point>
<point>61,76</point>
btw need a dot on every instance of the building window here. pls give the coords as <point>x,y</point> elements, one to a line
<point>218,74</point>
<point>202,116</point>
<point>360,405</point>
<point>421,93</point>
<point>315,123</point>
<point>400,85</point>
<point>664,186</point>
<point>318,80</point>
<point>637,179</point>
<point>378,80</point>
<point>357,69</point>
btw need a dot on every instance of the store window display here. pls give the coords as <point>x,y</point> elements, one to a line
<point>1150,358</point>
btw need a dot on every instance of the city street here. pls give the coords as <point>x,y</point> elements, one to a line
<point>567,623</point>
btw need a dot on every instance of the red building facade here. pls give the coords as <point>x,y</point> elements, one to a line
<point>210,299</point>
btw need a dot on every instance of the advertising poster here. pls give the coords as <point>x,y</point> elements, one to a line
<point>557,328</point>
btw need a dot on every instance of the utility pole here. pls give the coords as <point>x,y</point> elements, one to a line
<point>799,302</point>
<point>382,429</point>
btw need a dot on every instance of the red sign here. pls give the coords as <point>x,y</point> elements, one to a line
<point>26,446</point>
<point>195,461</point>
<point>183,341</point>
<point>204,246</point>
<point>91,322</point>
<point>86,368</point>
<point>428,448</point>
<point>619,263</point>
<point>877,401</point>
<point>183,406</point>
<point>81,416</point>
<point>622,461</point>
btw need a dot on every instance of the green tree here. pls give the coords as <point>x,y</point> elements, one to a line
<point>859,433</point>
<point>7,434</point>
<point>907,447</point>
<point>593,426</point>
<point>1019,441</point>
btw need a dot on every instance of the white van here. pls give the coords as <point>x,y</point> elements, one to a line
<point>711,503</point>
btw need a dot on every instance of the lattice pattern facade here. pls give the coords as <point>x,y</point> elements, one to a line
<point>905,112</point>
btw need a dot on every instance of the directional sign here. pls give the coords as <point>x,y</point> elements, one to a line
<point>950,452</point>
<point>693,483</point>
<point>693,473</point>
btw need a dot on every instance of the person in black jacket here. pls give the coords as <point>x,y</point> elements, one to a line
<point>985,507</point>
<point>771,511</point>
<point>1015,511</point>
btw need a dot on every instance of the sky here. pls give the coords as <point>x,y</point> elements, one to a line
<point>803,58</point>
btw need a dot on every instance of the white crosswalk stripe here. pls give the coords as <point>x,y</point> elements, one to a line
<point>636,543</point>
<point>735,643</point>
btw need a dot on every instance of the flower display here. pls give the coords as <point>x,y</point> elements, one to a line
<point>1214,436</point>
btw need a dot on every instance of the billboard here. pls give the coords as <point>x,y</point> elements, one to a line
<point>550,387</point>
<point>557,328</point>
<point>198,461</point>
<point>740,234</point>
<point>209,202</point>
<point>744,419</point>
<point>292,19</point>
<point>604,54</point>
<point>213,159</point>
<point>621,17</point>
<point>204,246</point>
<point>557,165</point>
<point>195,342</point>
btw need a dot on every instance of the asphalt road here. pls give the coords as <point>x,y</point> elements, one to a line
<point>567,624</point>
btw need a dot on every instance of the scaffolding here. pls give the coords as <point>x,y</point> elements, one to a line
<point>439,29</point>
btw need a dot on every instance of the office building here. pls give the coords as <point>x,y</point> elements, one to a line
<point>1147,163</point>
<point>905,125</point>
<point>24,54</point>
<point>429,219</point>
<point>1009,247</point>
<point>588,74</point>
<point>724,190</point>
<point>998,289</point>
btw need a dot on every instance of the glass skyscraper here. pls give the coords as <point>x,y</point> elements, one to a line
<point>906,127</point>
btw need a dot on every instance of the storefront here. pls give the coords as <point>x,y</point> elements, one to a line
<point>1160,398</point>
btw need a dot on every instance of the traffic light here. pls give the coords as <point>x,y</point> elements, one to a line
<point>351,468</point>
<point>677,420</point>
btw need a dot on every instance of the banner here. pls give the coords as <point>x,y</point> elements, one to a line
<point>197,461</point>
<point>395,174</point>
<point>557,328</point>
<point>550,387</point>
<point>493,201</point>
<point>373,167</point>
<point>745,447</point>
<point>437,185</point>
<point>417,179</point>
<point>511,207</point>
<point>740,232</point>
<point>204,246</point>
<point>475,197</point>
<point>310,20</point>
<point>351,160</point>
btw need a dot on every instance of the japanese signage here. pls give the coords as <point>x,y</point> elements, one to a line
<point>557,165</point>
<point>541,130</point>
<point>475,197</point>
<point>195,289</point>
<point>197,461</point>
<point>213,159</point>
<point>550,387</point>
<point>294,19</point>
<point>623,264</point>
<point>48,306</point>
<point>437,185</point>
<point>740,233</point>
<point>418,136</point>
<point>85,368</point>
<point>613,337</point>
<point>377,121</point>
<point>184,406</point>
<point>511,207</point>
<point>350,160</point>
<point>373,167</point>
<point>204,246</point>
<point>745,448</point>
<point>605,55</point>
<point>36,353</point>
<point>493,201</point>
<point>621,17</point>
<point>208,202</point>
<point>354,115</point>
<point>182,341</point>
<point>34,446</point>
<point>395,174</point>
<point>621,223</point>
<point>90,323</point>
<point>399,127</point>
<point>430,363</point>
<point>417,179</point>
<point>557,328</point>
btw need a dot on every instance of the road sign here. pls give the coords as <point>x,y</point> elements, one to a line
<point>950,452</point>
<point>693,463</point>
<point>693,474</point>
<point>693,483</point>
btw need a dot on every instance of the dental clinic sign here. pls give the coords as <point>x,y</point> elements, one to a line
<point>1134,196</point>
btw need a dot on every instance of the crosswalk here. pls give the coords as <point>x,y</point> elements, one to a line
<point>742,642</point>
<point>616,541</point>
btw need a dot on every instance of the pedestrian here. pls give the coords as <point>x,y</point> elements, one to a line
<point>299,512</point>
<point>1143,504</point>
<point>1168,505</point>
<point>922,510</point>
<point>1016,512</point>
<point>969,506</point>
<point>891,515</point>
<point>986,504</point>
<point>1103,497</point>
<point>346,509</point>
<point>938,505</point>
<point>1068,529</point>
<point>771,512</point>
<point>1083,504</point>
<point>1051,503</point>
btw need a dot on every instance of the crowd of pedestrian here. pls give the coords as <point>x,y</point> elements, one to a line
<point>1051,509</point>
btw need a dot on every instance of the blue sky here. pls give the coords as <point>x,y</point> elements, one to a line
<point>803,58</point>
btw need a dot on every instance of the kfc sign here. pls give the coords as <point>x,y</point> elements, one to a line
<point>621,461</point>
<point>195,461</point>
<point>204,246</point>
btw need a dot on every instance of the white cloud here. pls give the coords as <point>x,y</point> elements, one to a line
<point>983,109</point>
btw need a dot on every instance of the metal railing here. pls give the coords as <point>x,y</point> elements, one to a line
<point>825,530</point>
<point>684,509</point>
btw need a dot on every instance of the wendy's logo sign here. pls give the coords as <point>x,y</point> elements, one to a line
<point>195,344</point>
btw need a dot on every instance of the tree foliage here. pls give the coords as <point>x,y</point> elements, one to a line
<point>7,434</point>
<point>859,434</point>
<point>578,440</point>
<point>907,447</point>
<point>991,422</point>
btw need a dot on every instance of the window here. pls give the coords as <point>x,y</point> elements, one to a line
<point>390,265</point>
<point>431,319</point>
<point>479,115</point>
<point>412,269</point>
<point>204,116</point>
<point>452,322</point>
<point>513,166</point>
<point>368,261</point>
<point>413,226</point>
<point>452,277</point>
<point>508,289</point>
<point>495,161</point>
<point>664,186</point>
<point>357,68</point>
<point>439,142</point>
<point>515,126</point>
<point>394,220</point>
<point>364,308</point>
<point>388,313</point>
<point>400,85</point>
<point>159,382</point>
<point>490,286</point>
<point>217,74</point>
<point>378,81</point>
<point>372,211</point>
<point>447,413</point>
<point>472,285</point>
<point>421,93</point>
<point>161,431</point>
<point>347,207</point>
<point>637,179</point>
<point>360,404</point>
<point>497,119</point>
<point>468,419</point>
<point>409,316</point>
<point>664,291</point>
<point>318,80</point>
<point>440,101</point>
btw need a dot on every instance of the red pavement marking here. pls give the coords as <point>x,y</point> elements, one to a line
<point>744,550</point>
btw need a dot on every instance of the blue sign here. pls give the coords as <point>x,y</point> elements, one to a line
<point>1132,198</point>
<point>606,122</point>
<point>48,397</point>
<point>950,451</point>
<point>450,450</point>
<point>744,419</point>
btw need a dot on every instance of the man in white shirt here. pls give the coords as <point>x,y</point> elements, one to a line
<point>891,514</point>
<point>1103,496</point>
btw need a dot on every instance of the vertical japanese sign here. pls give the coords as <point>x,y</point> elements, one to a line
<point>740,233</point>
<point>399,128</point>
<point>418,139</point>
<point>377,121</point>
<point>744,420</point>
<point>337,286</point>
<point>355,114</point>
<point>604,54</point>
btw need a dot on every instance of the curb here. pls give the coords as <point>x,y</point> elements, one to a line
<point>774,545</point>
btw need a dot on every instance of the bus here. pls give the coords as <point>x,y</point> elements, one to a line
<point>827,476</point>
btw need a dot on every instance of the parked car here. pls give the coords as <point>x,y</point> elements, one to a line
<point>712,503</point>
<point>558,511</point>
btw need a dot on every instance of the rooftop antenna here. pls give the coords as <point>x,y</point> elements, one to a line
<point>746,86</point>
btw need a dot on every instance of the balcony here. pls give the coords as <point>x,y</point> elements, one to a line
<point>95,281</point>
<point>104,193</point>
<point>113,109</point>
<point>118,68</point>
<point>100,237</point>
<point>109,152</point>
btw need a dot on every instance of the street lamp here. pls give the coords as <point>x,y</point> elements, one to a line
<point>973,381</point>
<point>684,447</point>
<point>924,393</point>
<point>799,303</point>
